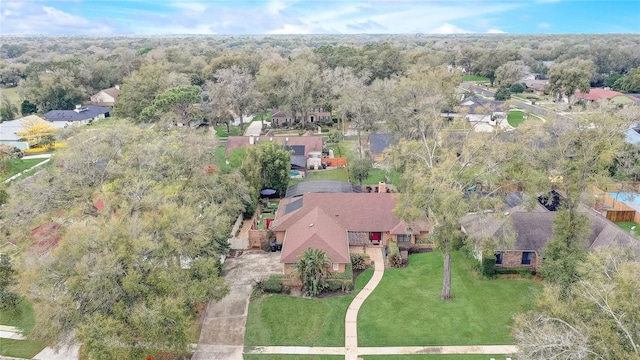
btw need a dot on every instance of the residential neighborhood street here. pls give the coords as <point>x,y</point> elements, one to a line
<point>520,104</point>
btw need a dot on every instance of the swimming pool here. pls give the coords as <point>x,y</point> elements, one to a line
<point>294,173</point>
<point>628,198</point>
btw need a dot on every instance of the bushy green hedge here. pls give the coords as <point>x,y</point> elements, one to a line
<point>358,261</point>
<point>526,273</point>
<point>274,283</point>
<point>338,285</point>
<point>488,267</point>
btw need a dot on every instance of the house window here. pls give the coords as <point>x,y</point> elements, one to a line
<point>375,237</point>
<point>404,238</point>
<point>498,258</point>
<point>526,258</point>
<point>336,266</point>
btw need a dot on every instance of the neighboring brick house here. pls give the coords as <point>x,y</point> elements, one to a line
<point>106,97</point>
<point>338,223</point>
<point>280,118</point>
<point>532,229</point>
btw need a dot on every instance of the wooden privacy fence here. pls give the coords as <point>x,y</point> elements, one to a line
<point>335,162</point>
<point>621,215</point>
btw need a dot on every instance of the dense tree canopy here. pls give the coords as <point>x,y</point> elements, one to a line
<point>126,275</point>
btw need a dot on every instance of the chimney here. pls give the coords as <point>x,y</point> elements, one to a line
<point>78,106</point>
<point>251,140</point>
<point>117,86</point>
<point>382,187</point>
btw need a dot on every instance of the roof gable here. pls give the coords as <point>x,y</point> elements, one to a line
<point>316,229</point>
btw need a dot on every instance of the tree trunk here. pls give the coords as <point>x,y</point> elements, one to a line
<point>446,277</point>
<point>359,144</point>
<point>241,122</point>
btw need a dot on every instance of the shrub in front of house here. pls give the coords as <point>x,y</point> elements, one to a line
<point>358,261</point>
<point>488,268</point>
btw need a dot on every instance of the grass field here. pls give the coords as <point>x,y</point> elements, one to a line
<point>24,319</point>
<point>19,165</point>
<point>221,131</point>
<point>407,309</point>
<point>333,174</point>
<point>515,118</point>
<point>627,225</point>
<point>287,320</point>
<point>263,220</point>
<point>476,78</point>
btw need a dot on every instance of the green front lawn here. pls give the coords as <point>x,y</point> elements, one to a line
<point>18,165</point>
<point>405,309</point>
<point>333,174</point>
<point>627,225</point>
<point>11,93</point>
<point>515,118</point>
<point>476,78</point>
<point>285,320</point>
<point>221,131</point>
<point>23,318</point>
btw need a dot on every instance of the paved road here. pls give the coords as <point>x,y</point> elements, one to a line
<point>542,112</point>
<point>222,334</point>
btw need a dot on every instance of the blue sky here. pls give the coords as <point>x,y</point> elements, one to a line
<point>143,17</point>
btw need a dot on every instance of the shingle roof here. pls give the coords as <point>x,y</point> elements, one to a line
<point>8,129</point>
<point>534,228</point>
<point>316,229</point>
<point>378,142</point>
<point>113,92</point>
<point>310,143</point>
<point>71,115</point>
<point>354,212</point>
<point>597,94</point>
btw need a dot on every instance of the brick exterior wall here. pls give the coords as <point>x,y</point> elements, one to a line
<point>514,259</point>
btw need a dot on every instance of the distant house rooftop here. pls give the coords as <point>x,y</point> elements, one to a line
<point>598,94</point>
<point>79,114</point>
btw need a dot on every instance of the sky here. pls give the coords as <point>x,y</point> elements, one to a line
<point>240,17</point>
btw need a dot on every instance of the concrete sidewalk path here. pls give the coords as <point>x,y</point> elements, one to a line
<point>387,350</point>
<point>351,319</point>
<point>11,332</point>
<point>253,128</point>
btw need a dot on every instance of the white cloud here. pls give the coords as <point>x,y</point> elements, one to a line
<point>34,18</point>
<point>447,28</point>
<point>544,25</point>
<point>291,29</point>
<point>495,31</point>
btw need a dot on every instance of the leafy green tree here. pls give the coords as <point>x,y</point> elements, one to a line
<point>267,166</point>
<point>503,93</point>
<point>611,80</point>
<point>180,102</point>
<point>8,298</point>
<point>510,73</point>
<point>235,86</point>
<point>52,91</point>
<point>140,89</point>
<point>630,83</point>
<point>359,168</point>
<point>571,75</point>
<point>598,320</point>
<point>516,88</point>
<point>27,108</point>
<point>311,270</point>
<point>8,111</point>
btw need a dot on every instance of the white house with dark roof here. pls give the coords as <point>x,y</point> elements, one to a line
<point>80,115</point>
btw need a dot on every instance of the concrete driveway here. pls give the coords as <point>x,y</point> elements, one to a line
<point>222,335</point>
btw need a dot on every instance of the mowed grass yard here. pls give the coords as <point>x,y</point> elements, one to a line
<point>15,166</point>
<point>333,174</point>
<point>24,319</point>
<point>405,309</point>
<point>288,320</point>
<point>515,118</point>
<point>627,225</point>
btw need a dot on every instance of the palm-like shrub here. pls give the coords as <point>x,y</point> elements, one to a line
<point>311,271</point>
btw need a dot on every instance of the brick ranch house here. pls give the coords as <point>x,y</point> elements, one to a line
<point>533,228</point>
<point>280,118</point>
<point>338,224</point>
